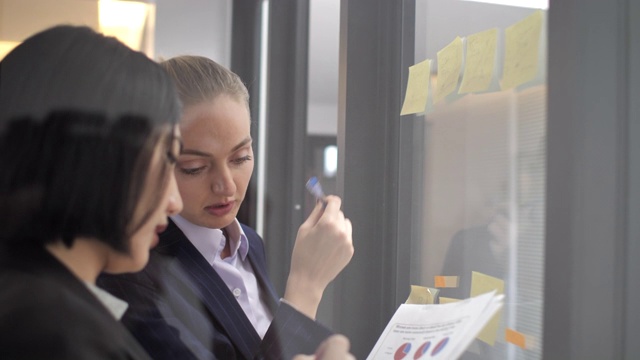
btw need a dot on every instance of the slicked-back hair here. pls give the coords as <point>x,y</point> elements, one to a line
<point>201,79</point>
<point>81,115</point>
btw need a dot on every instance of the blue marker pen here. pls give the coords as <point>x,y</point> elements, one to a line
<point>313,185</point>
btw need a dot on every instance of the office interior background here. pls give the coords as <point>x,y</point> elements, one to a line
<point>537,185</point>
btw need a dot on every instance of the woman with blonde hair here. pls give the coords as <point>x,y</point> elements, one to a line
<point>206,293</point>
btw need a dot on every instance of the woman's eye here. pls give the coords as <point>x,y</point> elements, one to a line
<point>192,171</point>
<point>242,160</point>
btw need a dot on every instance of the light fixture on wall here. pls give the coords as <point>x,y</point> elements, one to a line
<point>130,21</point>
<point>6,46</point>
<point>127,21</point>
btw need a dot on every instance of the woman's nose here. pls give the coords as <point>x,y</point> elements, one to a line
<point>174,204</point>
<point>222,183</point>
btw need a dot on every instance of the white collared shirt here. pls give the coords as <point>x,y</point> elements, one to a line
<point>116,306</point>
<point>235,270</point>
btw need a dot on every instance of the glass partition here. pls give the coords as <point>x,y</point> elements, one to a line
<point>483,183</point>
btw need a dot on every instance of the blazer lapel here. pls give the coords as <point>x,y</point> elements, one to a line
<point>213,292</point>
<point>258,263</point>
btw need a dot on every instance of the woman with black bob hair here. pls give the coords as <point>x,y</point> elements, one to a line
<point>88,142</point>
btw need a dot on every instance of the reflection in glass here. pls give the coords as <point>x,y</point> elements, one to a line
<point>330,161</point>
<point>484,177</point>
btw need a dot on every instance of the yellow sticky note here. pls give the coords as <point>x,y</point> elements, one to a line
<point>522,41</point>
<point>446,281</point>
<point>449,66</point>
<point>515,337</point>
<point>480,284</point>
<point>421,295</point>
<point>415,99</point>
<point>446,300</point>
<point>479,61</point>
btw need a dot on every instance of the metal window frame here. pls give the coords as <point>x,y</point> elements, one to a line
<point>376,48</point>
<point>592,182</point>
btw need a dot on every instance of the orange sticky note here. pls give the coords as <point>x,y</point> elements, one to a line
<point>514,337</point>
<point>446,281</point>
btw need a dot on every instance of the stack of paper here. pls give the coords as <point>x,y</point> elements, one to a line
<point>441,331</point>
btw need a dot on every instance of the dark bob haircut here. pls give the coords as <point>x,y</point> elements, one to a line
<point>81,115</point>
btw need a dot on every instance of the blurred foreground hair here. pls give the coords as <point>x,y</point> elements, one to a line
<point>80,117</point>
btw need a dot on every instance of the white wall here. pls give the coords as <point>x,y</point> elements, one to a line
<point>203,27</point>
<point>194,27</point>
<point>324,36</point>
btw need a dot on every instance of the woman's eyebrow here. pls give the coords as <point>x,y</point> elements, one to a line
<point>242,143</point>
<point>195,152</point>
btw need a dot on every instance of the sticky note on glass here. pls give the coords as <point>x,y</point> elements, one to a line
<point>480,61</point>
<point>522,41</point>
<point>480,284</point>
<point>422,295</point>
<point>415,99</point>
<point>446,281</point>
<point>446,300</point>
<point>449,66</point>
<point>515,337</point>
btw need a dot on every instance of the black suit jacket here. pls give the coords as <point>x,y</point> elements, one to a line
<point>180,308</point>
<point>47,313</point>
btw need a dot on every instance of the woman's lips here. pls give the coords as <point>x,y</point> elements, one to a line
<point>161,228</point>
<point>220,209</point>
<point>156,237</point>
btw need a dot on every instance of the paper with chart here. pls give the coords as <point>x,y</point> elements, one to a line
<point>441,331</point>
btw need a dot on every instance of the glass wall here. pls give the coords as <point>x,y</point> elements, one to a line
<point>483,184</point>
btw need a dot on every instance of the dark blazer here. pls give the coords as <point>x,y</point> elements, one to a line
<point>180,308</point>
<point>47,313</point>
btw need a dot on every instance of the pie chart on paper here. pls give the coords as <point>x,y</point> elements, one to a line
<point>439,346</point>
<point>402,351</point>
<point>422,350</point>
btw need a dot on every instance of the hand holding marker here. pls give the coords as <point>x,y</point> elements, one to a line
<point>313,185</point>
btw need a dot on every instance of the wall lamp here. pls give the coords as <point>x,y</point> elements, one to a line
<point>132,22</point>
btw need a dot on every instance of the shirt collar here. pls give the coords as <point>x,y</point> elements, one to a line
<point>210,242</point>
<point>116,306</point>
